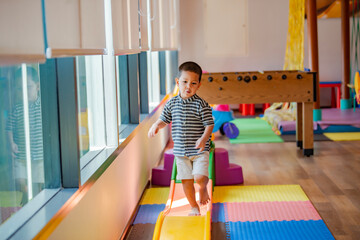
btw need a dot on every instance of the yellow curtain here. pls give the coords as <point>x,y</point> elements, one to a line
<point>294,56</point>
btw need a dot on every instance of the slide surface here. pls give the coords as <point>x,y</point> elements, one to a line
<point>174,222</point>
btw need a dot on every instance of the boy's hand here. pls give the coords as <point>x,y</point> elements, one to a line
<point>15,150</point>
<point>159,124</point>
<point>153,130</point>
<point>200,143</point>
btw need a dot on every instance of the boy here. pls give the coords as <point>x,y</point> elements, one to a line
<point>192,125</point>
<point>16,135</point>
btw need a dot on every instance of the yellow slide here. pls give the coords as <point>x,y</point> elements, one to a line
<point>174,222</point>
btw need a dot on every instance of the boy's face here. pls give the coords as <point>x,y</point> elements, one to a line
<point>33,90</point>
<point>188,84</point>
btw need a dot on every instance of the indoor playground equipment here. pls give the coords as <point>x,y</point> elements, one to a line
<point>267,86</point>
<point>266,212</point>
<point>222,117</point>
<point>173,222</point>
<point>226,173</point>
<point>245,212</point>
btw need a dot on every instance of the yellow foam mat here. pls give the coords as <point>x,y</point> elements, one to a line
<point>155,196</point>
<point>259,193</point>
<point>180,227</point>
<point>343,136</point>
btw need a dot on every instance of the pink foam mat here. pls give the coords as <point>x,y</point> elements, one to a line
<point>330,116</point>
<point>288,126</point>
<point>336,116</point>
<point>270,211</point>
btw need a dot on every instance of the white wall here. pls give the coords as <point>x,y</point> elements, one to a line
<point>267,29</point>
<point>107,206</point>
<point>329,44</point>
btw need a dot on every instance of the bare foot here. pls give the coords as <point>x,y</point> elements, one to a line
<point>195,211</point>
<point>204,196</point>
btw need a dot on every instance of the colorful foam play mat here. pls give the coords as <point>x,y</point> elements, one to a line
<point>254,130</point>
<point>266,212</point>
<point>245,212</point>
<point>343,136</point>
<point>10,202</point>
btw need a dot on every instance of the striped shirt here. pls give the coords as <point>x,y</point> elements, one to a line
<point>189,118</point>
<point>16,125</point>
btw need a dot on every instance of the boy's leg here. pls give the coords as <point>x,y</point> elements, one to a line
<point>204,195</point>
<point>189,190</point>
<point>201,171</point>
<point>184,168</point>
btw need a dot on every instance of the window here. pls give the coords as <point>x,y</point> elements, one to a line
<point>143,83</point>
<point>21,141</point>
<point>59,121</point>
<point>128,89</point>
<point>162,72</point>
<point>171,69</point>
<point>97,114</point>
<point>90,93</point>
<point>153,79</point>
<point>122,90</point>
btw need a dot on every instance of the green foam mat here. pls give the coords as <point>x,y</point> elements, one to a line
<point>10,198</point>
<point>254,130</point>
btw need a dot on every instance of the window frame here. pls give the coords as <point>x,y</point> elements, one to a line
<point>162,73</point>
<point>143,83</point>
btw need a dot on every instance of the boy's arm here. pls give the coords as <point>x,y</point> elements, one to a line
<point>159,124</point>
<point>14,146</point>
<point>201,142</point>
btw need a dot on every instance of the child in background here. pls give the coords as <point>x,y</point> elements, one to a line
<point>16,135</point>
<point>192,125</point>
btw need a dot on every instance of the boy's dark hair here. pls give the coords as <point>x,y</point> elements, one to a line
<point>191,67</point>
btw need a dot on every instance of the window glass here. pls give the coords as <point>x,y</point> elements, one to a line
<point>170,72</point>
<point>90,92</point>
<point>110,101</point>
<point>21,138</point>
<point>153,80</point>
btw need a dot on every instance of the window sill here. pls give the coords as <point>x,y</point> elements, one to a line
<point>94,160</point>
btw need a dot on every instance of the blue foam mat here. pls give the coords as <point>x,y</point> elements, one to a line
<point>148,213</point>
<point>278,230</point>
<point>330,129</point>
<point>218,214</point>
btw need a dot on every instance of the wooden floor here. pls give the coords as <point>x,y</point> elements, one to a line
<point>330,178</point>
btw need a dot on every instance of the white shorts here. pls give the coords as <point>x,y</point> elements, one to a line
<point>37,170</point>
<point>187,167</point>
